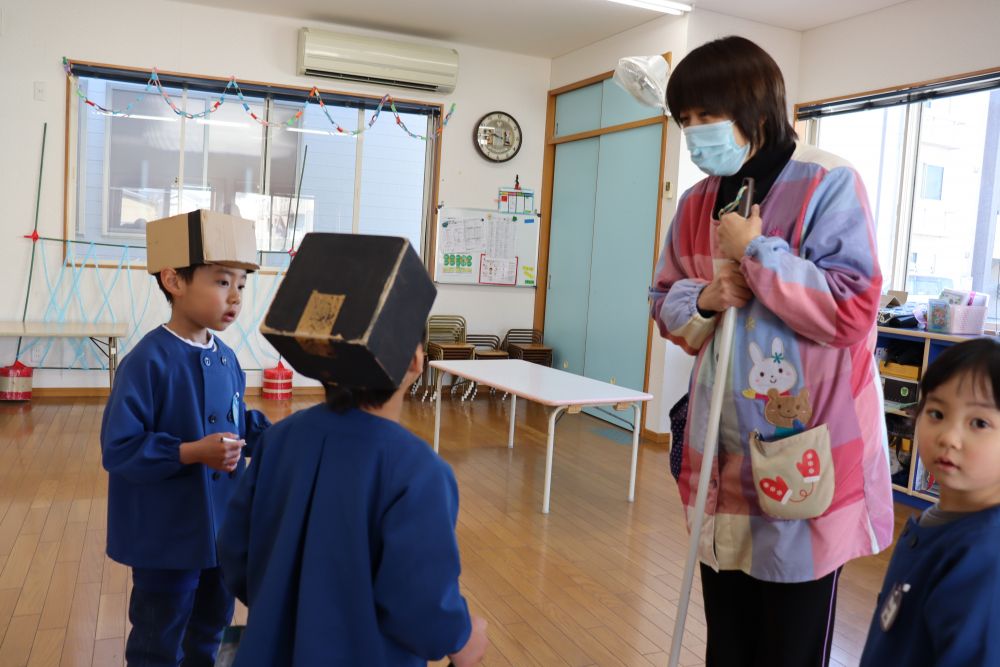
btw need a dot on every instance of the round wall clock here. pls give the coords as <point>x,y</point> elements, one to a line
<point>497,136</point>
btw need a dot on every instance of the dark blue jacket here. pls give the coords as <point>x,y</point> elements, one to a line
<point>341,540</point>
<point>163,514</point>
<point>950,616</point>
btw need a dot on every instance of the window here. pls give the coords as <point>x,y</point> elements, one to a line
<point>932,172</point>
<point>873,142</point>
<point>932,177</point>
<point>155,163</point>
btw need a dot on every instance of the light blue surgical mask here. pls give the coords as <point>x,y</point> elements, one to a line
<point>714,149</point>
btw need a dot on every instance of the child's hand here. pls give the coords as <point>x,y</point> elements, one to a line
<point>219,451</point>
<point>475,648</point>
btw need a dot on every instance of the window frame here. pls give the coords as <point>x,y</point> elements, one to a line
<point>911,96</point>
<point>362,101</point>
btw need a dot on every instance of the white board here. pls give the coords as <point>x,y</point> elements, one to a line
<point>485,247</point>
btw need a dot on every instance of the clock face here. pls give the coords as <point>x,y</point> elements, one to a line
<point>497,136</point>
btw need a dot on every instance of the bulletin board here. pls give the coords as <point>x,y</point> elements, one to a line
<point>484,247</point>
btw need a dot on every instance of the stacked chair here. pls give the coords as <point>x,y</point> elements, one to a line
<point>527,344</point>
<point>445,340</point>
<point>486,346</point>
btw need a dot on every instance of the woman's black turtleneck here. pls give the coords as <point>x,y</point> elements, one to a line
<point>763,167</point>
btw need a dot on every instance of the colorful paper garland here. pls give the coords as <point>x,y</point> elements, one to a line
<point>154,81</point>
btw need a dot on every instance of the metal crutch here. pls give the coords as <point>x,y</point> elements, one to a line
<point>708,455</point>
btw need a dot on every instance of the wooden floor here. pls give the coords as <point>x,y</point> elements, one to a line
<point>594,583</point>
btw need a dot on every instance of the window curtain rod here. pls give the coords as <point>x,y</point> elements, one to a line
<point>214,85</point>
<point>899,97</point>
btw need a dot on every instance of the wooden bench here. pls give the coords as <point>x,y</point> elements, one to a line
<point>104,335</point>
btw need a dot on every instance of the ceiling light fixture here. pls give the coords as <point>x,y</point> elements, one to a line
<point>665,6</point>
<point>323,132</point>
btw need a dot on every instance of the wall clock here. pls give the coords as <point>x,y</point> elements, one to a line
<point>497,136</point>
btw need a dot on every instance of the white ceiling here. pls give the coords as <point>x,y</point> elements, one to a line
<point>546,28</point>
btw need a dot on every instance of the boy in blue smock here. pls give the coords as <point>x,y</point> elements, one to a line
<point>341,537</point>
<point>940,601</point>
<point>172,441</point>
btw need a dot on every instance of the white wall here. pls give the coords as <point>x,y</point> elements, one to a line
<point>668,33</point>
<point>782,44</point>
<point>670,367</point>
<point>905,43</point>
<point>201,40</point>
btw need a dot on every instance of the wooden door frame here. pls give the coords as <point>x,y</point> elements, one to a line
<point>548,175</point>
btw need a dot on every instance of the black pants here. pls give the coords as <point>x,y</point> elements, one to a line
<point>754,623</point>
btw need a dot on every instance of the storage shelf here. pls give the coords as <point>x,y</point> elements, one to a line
<point>896,408</point>
<point>902,493</point>
<point>900,378</point>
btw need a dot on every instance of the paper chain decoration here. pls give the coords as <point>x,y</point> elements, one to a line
<point>232,85</point>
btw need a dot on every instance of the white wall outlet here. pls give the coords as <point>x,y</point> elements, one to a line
<point>36,353</point>
<point>39,91</point>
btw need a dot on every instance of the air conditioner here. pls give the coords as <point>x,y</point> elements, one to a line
<point>378,61</point>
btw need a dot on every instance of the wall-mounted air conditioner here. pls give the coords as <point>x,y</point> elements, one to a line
<point>378,61</point>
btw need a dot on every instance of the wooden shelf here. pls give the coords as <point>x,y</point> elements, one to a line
<point>928,340</point>
<point>922,495</point>
<point>890,376</point>
<point>897,408</point>
<point>929,335</point>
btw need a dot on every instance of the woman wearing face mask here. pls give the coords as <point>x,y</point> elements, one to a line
<point>801,480</point>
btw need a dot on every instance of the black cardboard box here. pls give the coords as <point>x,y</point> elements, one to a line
<point>351,310</point>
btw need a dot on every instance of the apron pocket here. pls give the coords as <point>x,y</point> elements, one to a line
<point>793,476</point>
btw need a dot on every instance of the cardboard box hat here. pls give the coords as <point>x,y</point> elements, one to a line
<point>200,237</point>
<point>351,310</point>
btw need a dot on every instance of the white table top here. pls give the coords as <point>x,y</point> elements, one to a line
<point>540,384</point>
<point>64,329</point>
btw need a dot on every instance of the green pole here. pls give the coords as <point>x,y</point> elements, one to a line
<point>31,265</point>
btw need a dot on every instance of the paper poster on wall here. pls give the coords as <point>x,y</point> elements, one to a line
<point>497,271</point>
<point>528,275</point>
<point>457,263</point>
<point>485,247</point>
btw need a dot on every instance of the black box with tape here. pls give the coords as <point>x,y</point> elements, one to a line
<point>900,391</point>
<point>351,310</point>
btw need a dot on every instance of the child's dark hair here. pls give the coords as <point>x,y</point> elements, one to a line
<point>734,77</point>
<point>341,399</point>
<point>185,273</point>
<point>977,359</point>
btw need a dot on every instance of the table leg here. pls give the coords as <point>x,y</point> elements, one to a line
<point>553,416</point>
<point>112,359</point>
<point>637,408</point>
<point>513,414</point>
<point>437,413</point>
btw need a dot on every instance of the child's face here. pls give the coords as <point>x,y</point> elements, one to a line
<point>958,434</point>
<point>213,298</point>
